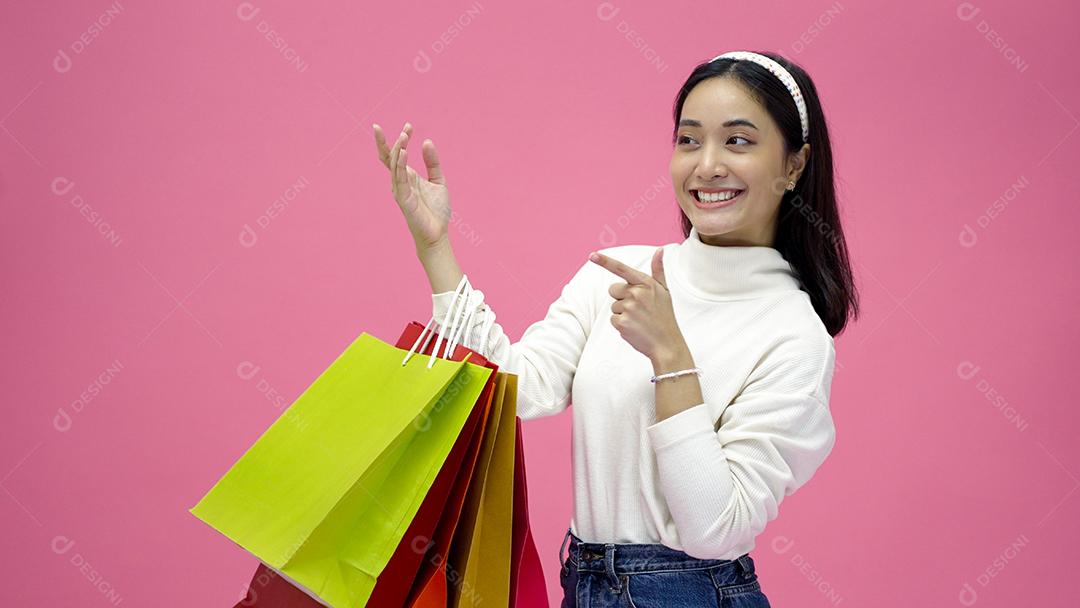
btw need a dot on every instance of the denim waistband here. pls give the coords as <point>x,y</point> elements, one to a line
<point>620,558</point>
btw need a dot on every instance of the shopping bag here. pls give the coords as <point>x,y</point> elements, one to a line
<point>527,587</point>
<point>480,553</point>
<point>325,495</point>
<point>441,574</point>
<point>523,576</point>
<point>396,580</point>
<point>269,590</point>
<point>486,542</point>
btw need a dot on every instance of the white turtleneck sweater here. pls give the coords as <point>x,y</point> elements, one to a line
<point>705,480</point>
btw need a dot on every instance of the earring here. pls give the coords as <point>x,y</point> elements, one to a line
<point>790,186</point>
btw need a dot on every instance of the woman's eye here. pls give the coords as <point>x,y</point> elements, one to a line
<point>684,139</point>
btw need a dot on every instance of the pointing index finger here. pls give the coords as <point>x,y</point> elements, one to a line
<point>631,275</point>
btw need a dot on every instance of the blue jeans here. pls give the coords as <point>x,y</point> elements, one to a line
<point>603,575</point>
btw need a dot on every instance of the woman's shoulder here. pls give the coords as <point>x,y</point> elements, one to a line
<point>799,318</point>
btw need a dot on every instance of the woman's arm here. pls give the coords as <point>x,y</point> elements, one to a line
<point>441,266</point>
<point>724,484</point>
<point>546,357</point>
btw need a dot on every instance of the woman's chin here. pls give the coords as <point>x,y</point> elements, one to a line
<point>708,222</point>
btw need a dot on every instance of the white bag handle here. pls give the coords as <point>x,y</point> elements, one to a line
<point>460,330</point>
<point>454,327</point>
<point>463,287</point>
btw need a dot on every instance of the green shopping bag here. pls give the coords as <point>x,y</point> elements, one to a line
<point>326,494</point>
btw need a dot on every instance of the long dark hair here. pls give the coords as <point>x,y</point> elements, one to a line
<point>808,232</point>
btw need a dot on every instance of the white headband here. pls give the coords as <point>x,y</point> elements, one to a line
<point>784,76</point>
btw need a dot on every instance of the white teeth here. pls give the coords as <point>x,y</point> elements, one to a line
<point>708,197</point>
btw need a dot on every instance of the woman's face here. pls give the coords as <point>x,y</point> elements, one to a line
<point>726,140</point>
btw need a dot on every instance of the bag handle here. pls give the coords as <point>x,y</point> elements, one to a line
<point>458,324</point>
<point>457,333</point>
<point>463,287</point>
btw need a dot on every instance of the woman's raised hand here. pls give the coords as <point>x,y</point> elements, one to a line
<point>424,202</point>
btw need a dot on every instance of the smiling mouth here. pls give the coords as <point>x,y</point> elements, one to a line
<point>714,202</point>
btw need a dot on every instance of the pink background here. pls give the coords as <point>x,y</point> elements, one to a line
<point>955,474</point>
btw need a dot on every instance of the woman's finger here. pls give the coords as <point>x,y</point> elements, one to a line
<point>618,290</point>
<point>631,275</point>
<point>395,157</point>
<point>392,158</point>
<point>403,159</point>
<point>391,154</point>
<point>401,175</point>
<point>431,161</point>
<point>380,146</point>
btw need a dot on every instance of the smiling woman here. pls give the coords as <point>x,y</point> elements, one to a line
<point>699,371</point>
<point>757,129</point>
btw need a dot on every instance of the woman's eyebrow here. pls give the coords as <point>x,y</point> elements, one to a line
<point>734,122</point>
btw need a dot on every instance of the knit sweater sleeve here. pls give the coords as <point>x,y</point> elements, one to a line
<point>546,357</point>
<point>723,485</point>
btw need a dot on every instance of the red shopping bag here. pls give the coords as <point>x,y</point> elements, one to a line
<point>527,588</point>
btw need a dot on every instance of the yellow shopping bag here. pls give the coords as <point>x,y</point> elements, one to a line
<point>325,495</point>
<point>481,549</point>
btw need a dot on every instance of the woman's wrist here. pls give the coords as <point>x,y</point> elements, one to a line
<point>439,247</point>
<point>675,394</point>
<point>441,266</point>
<point>674,358</point>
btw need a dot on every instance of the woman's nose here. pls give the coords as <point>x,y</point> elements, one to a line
<point>711,165</point>
<point>707,170</point>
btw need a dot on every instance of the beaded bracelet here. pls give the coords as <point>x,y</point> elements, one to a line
<point>676,374</point>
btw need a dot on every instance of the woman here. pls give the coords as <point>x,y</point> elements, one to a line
<point>701,380</point>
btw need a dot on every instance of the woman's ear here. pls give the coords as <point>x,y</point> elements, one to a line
<point>797,162</point>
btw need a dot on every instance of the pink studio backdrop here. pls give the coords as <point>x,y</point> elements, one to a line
<point>192,189</point>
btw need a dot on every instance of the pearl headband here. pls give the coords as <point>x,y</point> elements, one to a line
<point>785,78</point>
